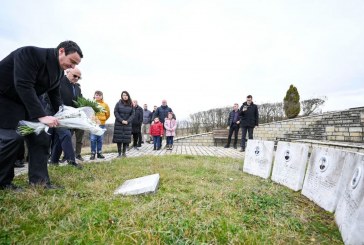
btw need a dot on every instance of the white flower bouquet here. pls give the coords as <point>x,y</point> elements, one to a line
<point>68,117</point>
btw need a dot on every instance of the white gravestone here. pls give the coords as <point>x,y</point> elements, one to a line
<point>258,158</point>
<point>290,165</point>
<point>349,214</point>
<point>142,185</point>
<point>324,180</point>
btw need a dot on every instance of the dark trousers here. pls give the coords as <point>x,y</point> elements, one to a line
<point>233,129</point>
<point>62,141</point>
<point>38,150</point>
<point>169,140</point>
<point>157,141</point>
<point>21,152</point>
<point>124,145</point>
<point>137,139</point>
<point>10,143</point>
<point>79,139</point>
<point>243,135</point>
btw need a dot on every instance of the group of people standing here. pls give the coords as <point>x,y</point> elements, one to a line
<point>34,85</point>
<point>246,118</point>
<point>133,121</point>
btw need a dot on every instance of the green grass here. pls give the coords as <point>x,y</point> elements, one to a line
<point>200,200</point>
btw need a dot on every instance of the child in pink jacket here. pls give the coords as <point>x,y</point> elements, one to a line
<point>170,124</point>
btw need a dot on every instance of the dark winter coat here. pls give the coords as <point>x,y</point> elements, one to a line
<point>162,113</point>
<point>138,120</point>
<point>67,94</point>
<point>122,132</point>
<point>25,74</point>
<point>250,117</point>
<point>231,117</point>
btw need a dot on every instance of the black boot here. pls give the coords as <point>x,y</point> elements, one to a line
<point>99,155</point>
<point>92,157</point>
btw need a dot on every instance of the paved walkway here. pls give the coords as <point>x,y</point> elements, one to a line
<point>147,149</point>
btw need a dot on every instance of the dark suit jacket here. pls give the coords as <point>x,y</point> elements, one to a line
<point>67,92</point>
<point>25,74</point>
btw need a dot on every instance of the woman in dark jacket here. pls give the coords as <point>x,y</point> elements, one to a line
<point>124,115</point>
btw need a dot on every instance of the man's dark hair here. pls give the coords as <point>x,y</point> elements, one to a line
<point>249,97</point>
<point>70,47</point>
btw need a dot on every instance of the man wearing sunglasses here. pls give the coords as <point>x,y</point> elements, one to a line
<point>25,75</point>
<point>70,91</point>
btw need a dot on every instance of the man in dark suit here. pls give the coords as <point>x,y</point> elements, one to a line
<point>25,74</point>
<point>70,91</point>
<point>233,125</point>
<point>249,119</point>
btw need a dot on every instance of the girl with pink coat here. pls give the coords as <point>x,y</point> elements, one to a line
<point>170,124</point>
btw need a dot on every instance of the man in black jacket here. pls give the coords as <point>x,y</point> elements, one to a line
<point>234,126</point>
<point>137,125</point>
<point>70,91</point>
<point>249,118</point>
<point>25,74</point>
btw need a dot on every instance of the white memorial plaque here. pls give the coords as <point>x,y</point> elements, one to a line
<point>142,185</point>
<point>349,214</point>
<point>324,181</point>
<point>290,165</point>
<point>258,158</point>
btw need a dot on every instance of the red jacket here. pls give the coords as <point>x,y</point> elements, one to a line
<point>156,129</point>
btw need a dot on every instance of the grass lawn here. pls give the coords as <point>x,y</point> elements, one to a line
<point>200,200</point>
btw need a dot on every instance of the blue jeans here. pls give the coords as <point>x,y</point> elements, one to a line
<point>96,141</point>
<point>62,141</point>
<point>169,140</point>
<point>157,141</point>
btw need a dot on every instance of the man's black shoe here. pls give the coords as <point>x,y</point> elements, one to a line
<point>11,187</point>
<point>92,157</point>
<point>226,146</point>
<point>62,160</point>
<point>99,155</point>
<point>79,157</point>
<point>235,147</point>
<point>75,164</point>
<point>136,148</point>
<point>242,149</point>
<point>19,164</point>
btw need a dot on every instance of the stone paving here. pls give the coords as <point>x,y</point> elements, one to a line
<point>147,149</point>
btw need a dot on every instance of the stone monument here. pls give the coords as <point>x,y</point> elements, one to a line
<point>258,158</point>
<point>143,185</point>
<point>324,181</point>
<point>290,165</point>
<point>349,214</point>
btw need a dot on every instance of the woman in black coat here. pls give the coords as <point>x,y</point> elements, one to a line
<point>124,115</point>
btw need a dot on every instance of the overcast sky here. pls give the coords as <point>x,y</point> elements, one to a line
<point>200,54</point>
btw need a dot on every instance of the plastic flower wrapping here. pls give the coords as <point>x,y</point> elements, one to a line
<point>68,117</point>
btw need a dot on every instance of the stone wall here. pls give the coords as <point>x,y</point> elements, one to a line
<point>344,126</point>
<point>204,139</point>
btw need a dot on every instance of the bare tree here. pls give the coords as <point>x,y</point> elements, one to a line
<point>311,106</point>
